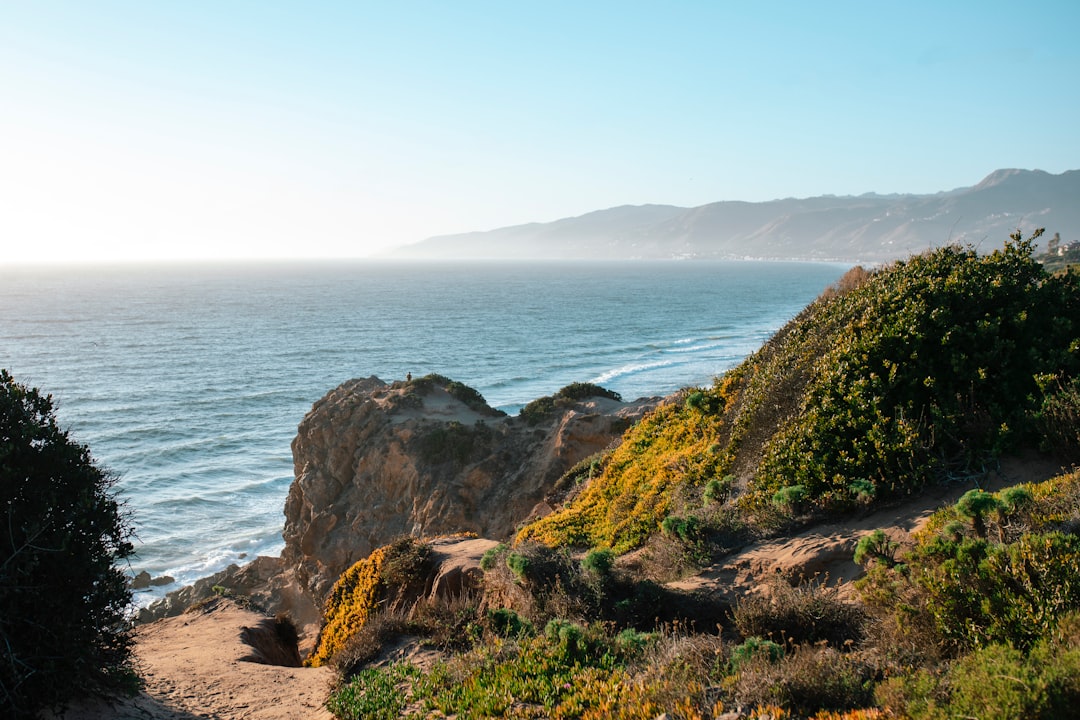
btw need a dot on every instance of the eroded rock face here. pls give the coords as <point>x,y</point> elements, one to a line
<point>374,461</point>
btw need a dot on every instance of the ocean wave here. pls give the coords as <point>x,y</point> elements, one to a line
<point>630,369</point>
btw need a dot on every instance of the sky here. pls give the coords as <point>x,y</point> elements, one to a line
<point>151,130</point>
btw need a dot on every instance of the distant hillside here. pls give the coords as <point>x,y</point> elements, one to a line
<point>867,228</point>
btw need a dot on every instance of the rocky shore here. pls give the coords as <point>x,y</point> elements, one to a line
<point>376,460</point>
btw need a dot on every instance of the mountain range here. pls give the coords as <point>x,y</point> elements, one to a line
<point>864,228</point>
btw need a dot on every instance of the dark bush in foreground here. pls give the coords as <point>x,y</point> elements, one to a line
<point>62,597</point>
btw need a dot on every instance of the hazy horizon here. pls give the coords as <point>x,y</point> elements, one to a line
<point>137,132</point>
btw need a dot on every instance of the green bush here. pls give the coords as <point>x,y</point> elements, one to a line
<point>981,592</point>
<point>875,546</point>
<point>686,529</point>
<point>1058,416</point>
<point>536,410</point>
<point>491,556</point>
<point>507,623</point>
<point>63,598</point>
<point>598,563</point>
<point>975,506</point>
<point>519,565</point>
<point>790,498</point>
<point>754,648</point>
<point>460,391</point>
<point>976,591</point>
<point>717,489</point>
<point>997,682</point>
<point>924,372</point>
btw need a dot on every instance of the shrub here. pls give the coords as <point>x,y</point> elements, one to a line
<point>974,506</point>
<point>875,546</point>
<point>1058,416</point>
<point>976,592</point>
<point>491,556</point>
<point>807,681</point>
<point>507,623</point>
<point>809,612</point>
<point>364,645</point>
<point>598,563</point>
<point>997,682</point>
<point>460,391</point>
<point>922,372</point>
<point>716,490</point>
<point>63,629</point>
<point>386,576</point>
<point>928,370</point>
<point>519,565</point>
<point>624,505</point>
<point>754,648</point>
<point>686,529</point>
<point>538,409</point>
<point>790,498</point>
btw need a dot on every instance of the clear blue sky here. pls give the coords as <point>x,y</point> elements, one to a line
<point>142,129</point>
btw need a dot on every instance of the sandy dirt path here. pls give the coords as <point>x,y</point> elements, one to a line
<point>192,667</point>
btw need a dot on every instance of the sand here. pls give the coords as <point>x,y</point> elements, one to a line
<point>192,667</point>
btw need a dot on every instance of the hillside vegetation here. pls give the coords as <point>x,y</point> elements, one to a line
<point>921,373</point>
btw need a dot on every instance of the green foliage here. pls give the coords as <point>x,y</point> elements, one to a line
<point>980,593</point>
<point>930,368</point>
<point>875,546</point>
<point>862,490</point>
<point>976,592</point>
<point>632,642</point>
<point>1016,498</point>
<point>570,671</point>
<point>997,682</point>
<point>460,391</point>
<point>519,565</point>
<point>686,529</point>
<point>373,694</point>
<point>491,556</point>
<point>454,443</point>
<point>717,489</point>
<point>790,498</point>
<point>1058,416</point>
<point>974,506</point>
<point>754,648</point>
<point>703,401</point>
<point>507,623</point>
<point>625,505</point>
<point>598,563</point>
<point>921,372</point>
<point>63,629</point>
<point>538,409</point>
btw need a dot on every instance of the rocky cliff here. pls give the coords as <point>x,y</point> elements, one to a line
<point>424,457</point>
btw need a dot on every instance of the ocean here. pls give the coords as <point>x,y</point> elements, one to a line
<point>188,381</point>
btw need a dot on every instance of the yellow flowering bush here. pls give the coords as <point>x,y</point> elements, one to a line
<point>349,606</point>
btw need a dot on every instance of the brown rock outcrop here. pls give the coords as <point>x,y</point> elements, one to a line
<point>374,461</point>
